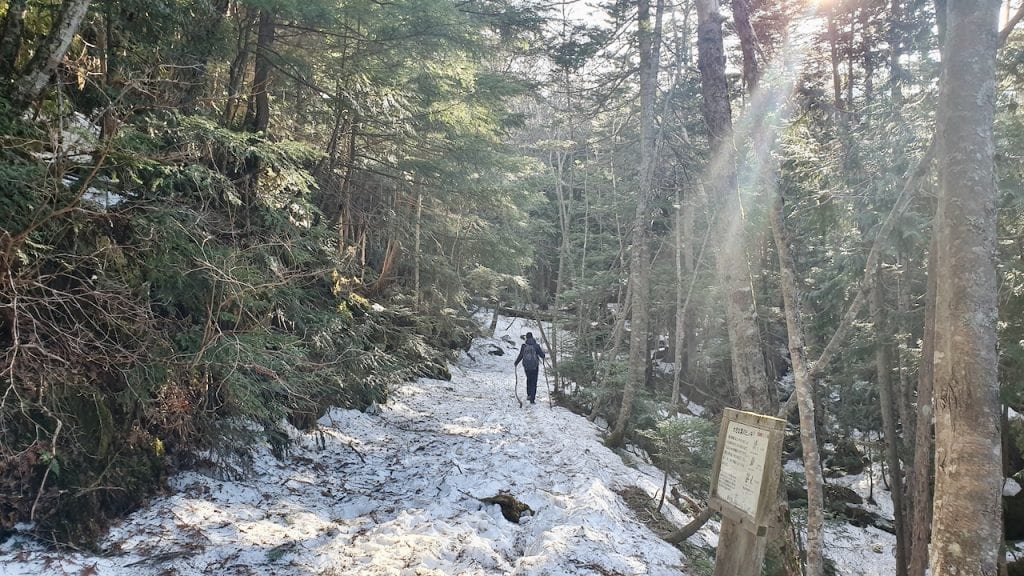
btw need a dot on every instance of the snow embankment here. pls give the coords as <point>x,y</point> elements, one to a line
<point>397,492</point>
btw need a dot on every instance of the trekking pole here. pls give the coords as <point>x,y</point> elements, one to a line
<point>515,370</point>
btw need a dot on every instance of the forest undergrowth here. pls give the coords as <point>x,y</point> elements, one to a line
<point>169,291</point>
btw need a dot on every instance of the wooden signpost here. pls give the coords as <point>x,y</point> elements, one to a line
<point>744,488</point>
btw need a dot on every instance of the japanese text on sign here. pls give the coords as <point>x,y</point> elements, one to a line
<point>742,466</point>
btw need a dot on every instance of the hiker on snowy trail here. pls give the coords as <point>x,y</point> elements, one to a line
<point>530,354</point>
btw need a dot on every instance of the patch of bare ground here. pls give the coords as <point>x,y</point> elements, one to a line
<point>646,510</point>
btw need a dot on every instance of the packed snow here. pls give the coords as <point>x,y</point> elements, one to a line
<point>397,490</point>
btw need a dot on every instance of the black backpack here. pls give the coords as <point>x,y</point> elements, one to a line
<point>530,359</point>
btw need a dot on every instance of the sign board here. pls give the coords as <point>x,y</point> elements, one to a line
<point>746,471</point>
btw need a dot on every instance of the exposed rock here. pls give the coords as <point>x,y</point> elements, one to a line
<point>846,457</point>
<point>511,508</point>
<point>861,517</point>
<point>1013,516</point>
<point>839,496</point>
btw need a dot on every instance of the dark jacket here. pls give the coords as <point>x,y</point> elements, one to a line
<point>522,349</point>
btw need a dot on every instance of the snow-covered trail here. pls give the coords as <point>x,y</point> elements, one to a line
<point>396,492</point>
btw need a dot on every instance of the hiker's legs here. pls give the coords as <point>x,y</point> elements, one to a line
<point>531,383</point>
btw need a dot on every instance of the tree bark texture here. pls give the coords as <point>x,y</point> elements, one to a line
<point>690,529</point>
<point>690,308</point>
<point>417,243</point>
<point>239,64</point>
<point>259,115</point>
<point>748,43</point>
<point>920,476</point>
<point>48,55</point>
<point>837,82</point>
<point>563,193</point>
<point>967,527</point>
<point>731,265</point>
<point>681,273</point>
<point>639,268</point>
<point>887,404</point>
<point>905,391</point>
<point>895,51</point>
<point>10,36</point>
<point>805,395</point>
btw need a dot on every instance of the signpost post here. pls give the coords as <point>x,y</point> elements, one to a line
<point>744,488</point>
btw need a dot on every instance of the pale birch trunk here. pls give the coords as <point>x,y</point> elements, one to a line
<point>48,55</point>
<point>680,340</point>
<point>967,526</point>
<point>583,304</point>
<point>805,395</point>
<point>564,248</point>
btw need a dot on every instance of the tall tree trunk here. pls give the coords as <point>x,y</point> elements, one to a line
<point>417,248</point>
<point>905,391</point>
<point>690,308</point>
<point>837,81</point>
<point>329,198</point>
<point>887,401</point>
<point>563,192</point>
<point>782,538</point>
<point>731,266</point>
<point>48,55</point>
<point>639,268</point>
<point>850,61</point>
<point>748,43</point>
<point>619,329</point>
<point>10,36</point>
<point>583,303</point>
<point>109,45</point>
<point>683,256</point>
<point>895,51</point>
<point>805,394</point>
<point>345,216</point>
<point>904,398</point>
<point>921,474</point>
<point>239,66</point>
<point>193,72</point>
<point>258,118</point>
<point>967,528</point>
